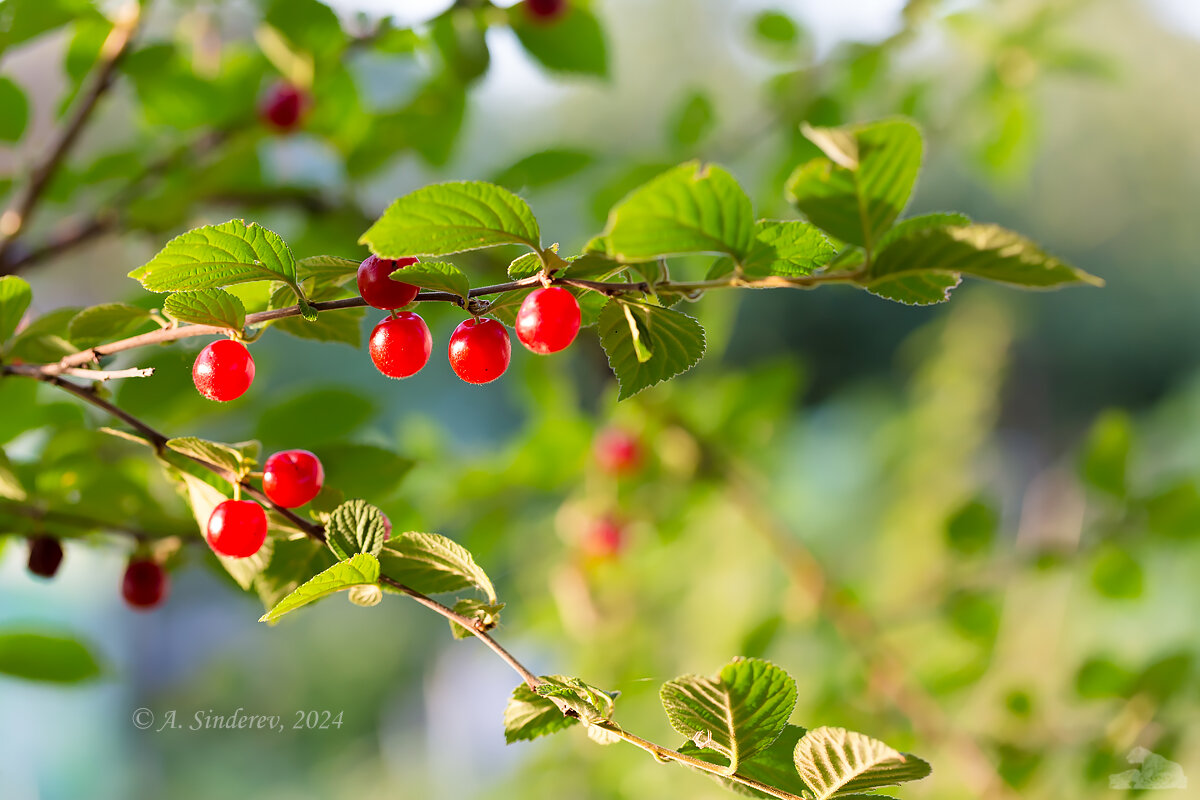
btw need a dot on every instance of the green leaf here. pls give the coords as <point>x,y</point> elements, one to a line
<point>572,43</point>
<point>918,289</point>
<point>773,766</point>
<point>524,266</point>
<point>360,570</point>
<point>587,702</point>
<point>485,615</point>
<point>105,323</point>
<point>22,20</point>
<point>44,339</point>
<point>693,208</point>
<point>10,484</point>
<point>219,255</point>
<point>737,714</point>
<point>971,529</point>
<point>292,562</point>
<point>222,455</point>
<point>343,325</point>
<point>308,25</point>
<point>452,218</point>
<point>981,251</point>
<point>14,111</point>
<point>667,343</point>
<point>327,269</point>
<point>50,659</point>
<point>921,222</point>
<point>15,296</point>
<point>207,307</point>
<point>355,526</point>
<point>776,27</point>
<point>373,471</point>
<point>544,167</point>
<point>1105,457</point>
<point>437,276</point>
<point>859,189</point>
<point>1117,574</point>
<point>693,121</point>
<point>529,715</point>
<point>787,248</point>
<point>835,761</point>
<point>433,564</point>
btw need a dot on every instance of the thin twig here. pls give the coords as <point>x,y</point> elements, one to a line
<point>82,521</point>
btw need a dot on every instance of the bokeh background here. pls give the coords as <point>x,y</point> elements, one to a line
<point>968,530</point>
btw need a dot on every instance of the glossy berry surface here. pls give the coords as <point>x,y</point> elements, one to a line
<point>377,287</point>
<point>605,537</point>
<point>292,478</point>
<point>45,554</point>
<point>223,371</point>
<point>545,10</point>
<point>284,106</point>
<point>237,528</point>
<point>618,452</point>
<point>480,350</point>
<point>548,320</point>
<point>145,584</point>
<point>400,345</point>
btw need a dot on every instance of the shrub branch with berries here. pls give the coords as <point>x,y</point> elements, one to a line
<point>285,535</point>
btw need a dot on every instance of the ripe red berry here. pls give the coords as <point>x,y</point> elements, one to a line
<point>237,528</point>
<point>284,106</point>
<point>45,554</point>
<point>400,345</point>
<point>548,320</point>
<point>605,537</point>
<point>545,10</point>
<point>291,478</point>
<point>480,350</point>
<point>145,584</point>
<point>377,287</point>
<point>223,371</point>
<point>618,452</point>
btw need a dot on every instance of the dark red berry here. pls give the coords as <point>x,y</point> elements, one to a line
<point>223,371</point>
<point>377,287</point>
<point>237,528</point>
<point>605,537</point>
<point>45,554</point>
<point>284,106</point>
<point>400,345</point>
<point>145,584</point>
<point>548,320</point>
<point>618,452</point>
<point>545,10</point>
<point>480,350</point>
<point>291,478</point>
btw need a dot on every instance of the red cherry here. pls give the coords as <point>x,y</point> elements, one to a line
<point>45,554</point>
<point>284,106</point>
<point>605,537</point>
<point>377,287</point>
<point>145,585</point>
<point>237,528</point>
<point>548,320</point>
<point>480,350</point>
<point>400,345</point>
<point>618,452</point>
<point>292,477</point>
<point>223,371</point>
<point>545,10</point>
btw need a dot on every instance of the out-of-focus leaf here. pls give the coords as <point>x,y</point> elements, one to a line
<point>42,657</point>
<point>571,43</point>
<point>14,111</point>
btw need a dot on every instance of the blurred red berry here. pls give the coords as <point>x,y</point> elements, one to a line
<point>45,554</point>
<point>618,452</point>
<point>145,584</point>
<point>284,106</point>
<point>545,10</point>
<point>605,537</point>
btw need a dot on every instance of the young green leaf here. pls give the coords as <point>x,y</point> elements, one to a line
<point>452,218</point>
<point>863,184</point>
<point>693,208</point>
<point>437,276</point>
<point>573,44</point>
<point>529,715</point>
<point>105,323</point>
<point>51,659</point>
<point>587,702</point>
<point>773,766</point>
<point>15,295</point>
<point>835,761</point>
<point>433,564</point>
<point>222,455</point>
<point>786,248</point>
<point>355,526</point>
<point>326,269</point>
<point>737,714</point>
<point>207,307</point>
<point>485,615</point>
<point>667,344</point>
<point>219,255</point>
<point>362,569</point>
<point>293,561</point>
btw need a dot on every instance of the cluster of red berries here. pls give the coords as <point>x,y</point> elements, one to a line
<point>480,350</point>
<point>238,528</point>
<point>143,586</point>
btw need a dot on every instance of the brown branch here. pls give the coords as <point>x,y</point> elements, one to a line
<point>17,217</point>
